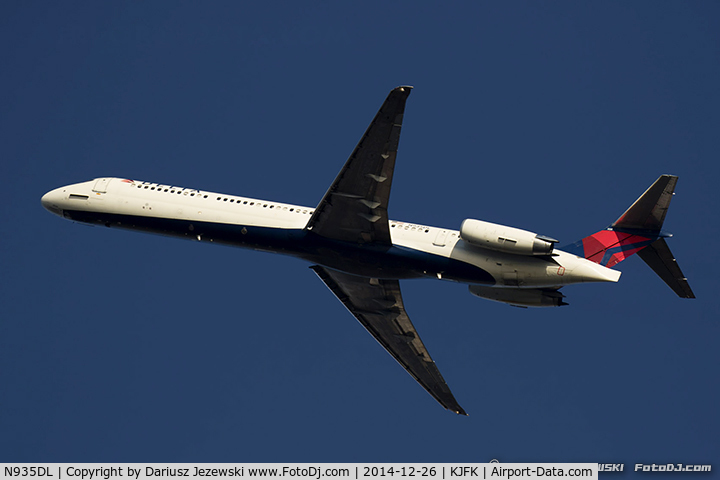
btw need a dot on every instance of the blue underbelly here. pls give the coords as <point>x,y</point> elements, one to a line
<point>366,260</point>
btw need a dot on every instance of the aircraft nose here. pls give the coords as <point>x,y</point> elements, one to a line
<point>51,201</point>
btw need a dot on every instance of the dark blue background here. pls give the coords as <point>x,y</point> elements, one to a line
<point>553,117</point>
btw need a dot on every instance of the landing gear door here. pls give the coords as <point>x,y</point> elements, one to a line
<point>101,185</point>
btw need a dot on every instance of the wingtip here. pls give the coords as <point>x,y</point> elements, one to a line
<point>460,411</point>
<point>402,88</point>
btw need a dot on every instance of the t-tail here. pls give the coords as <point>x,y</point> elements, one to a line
<point>639,230</point>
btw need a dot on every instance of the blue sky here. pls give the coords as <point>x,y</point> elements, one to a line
<point>552,117</point>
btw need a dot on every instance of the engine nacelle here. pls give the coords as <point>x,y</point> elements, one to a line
<point>520,297</point>
<point>505,239</point>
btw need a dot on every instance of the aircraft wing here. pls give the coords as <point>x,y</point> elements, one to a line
<point>378,306</point>
<point>354,209</point>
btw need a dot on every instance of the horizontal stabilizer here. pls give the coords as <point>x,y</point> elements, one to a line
<point>637,228</point>
<point>648,212</point>
<point>659,257</point>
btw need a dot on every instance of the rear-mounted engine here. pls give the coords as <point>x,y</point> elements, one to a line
<point>505,239</point>
<point>521,297</point>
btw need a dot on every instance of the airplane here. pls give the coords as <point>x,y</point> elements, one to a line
<point>360,254</point>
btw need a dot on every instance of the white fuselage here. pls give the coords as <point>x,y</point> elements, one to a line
<point>279,227</point>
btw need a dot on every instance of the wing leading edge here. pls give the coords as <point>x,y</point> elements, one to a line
<point>378,306</point>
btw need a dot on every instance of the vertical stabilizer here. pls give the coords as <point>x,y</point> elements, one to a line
<point>639,230</point>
